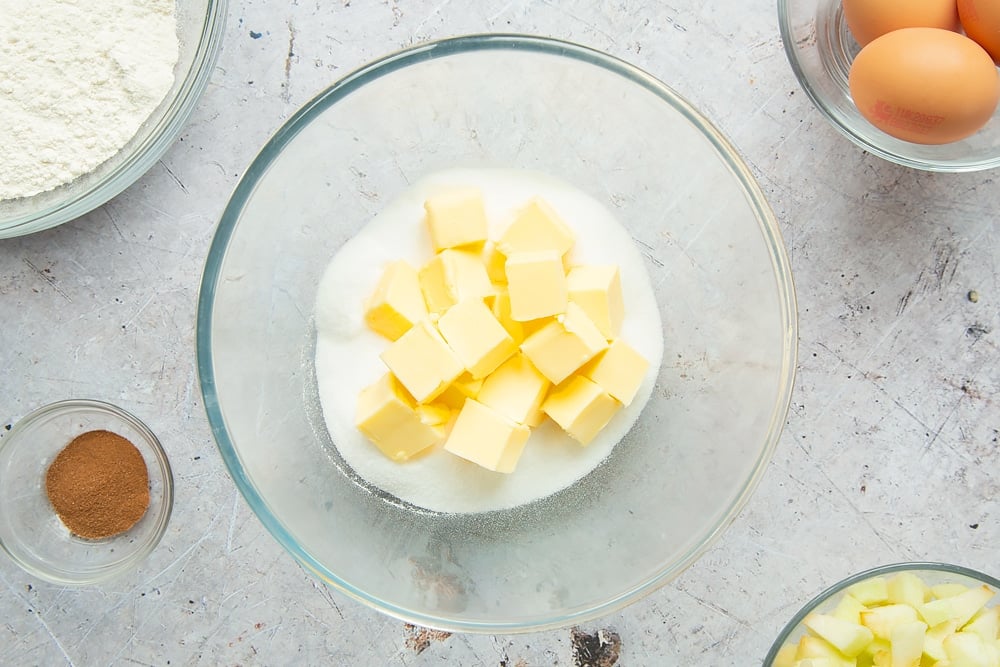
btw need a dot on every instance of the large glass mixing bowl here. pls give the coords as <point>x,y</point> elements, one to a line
<point>715,257</point>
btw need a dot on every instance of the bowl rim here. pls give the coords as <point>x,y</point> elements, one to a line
<point>892,568</point>
<point>767,224</point>
<point>142,549</point>
<point>149,152</point>
<point>788,42</point>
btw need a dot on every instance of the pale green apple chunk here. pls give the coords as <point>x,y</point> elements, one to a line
<point>848,638</point>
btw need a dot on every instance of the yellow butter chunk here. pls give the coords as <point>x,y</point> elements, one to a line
<point>619,370</point>
<point>494,261</point>
<point>598,290</point>
<point>433,414</point>
<point>456,218</point>
<point>536,282</point>
<point>581,408</point>
<point>397,303</point>
<point>423,362</point>
<point>453,275</point>
<point>561,347</point>
<point>479,340</point>
<point>501,311</point>
<point>386,414</point>
<point>516,390</point>
<point>462,388</point>
<point>485,437</point>
<point>536,227</point>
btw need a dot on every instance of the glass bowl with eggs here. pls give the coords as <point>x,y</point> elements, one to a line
<point>496,334</point>
<point>919,614</point>
<point>914,83</point>
<point>118,82</point>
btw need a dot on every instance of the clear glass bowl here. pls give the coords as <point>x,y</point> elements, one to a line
<point>722,282</point>
<point>30,531</point>
<point>200,25</point>
<point>930,573</point>
<point>820,50</point>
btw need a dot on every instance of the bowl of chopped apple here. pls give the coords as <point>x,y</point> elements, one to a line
<point>497,334</point>
<point>900,615</point>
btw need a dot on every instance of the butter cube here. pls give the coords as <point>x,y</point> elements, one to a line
<point>536,227</point>
<point>455,218</point>
<point>397,303</point>
<point>486,437</point>
<point>453,275</point>
<point>516,390</point>
<point>561,347</point>
<point>536,282</point>
<point>501,311</point>
<point>464,387</point>
<point>433,414</point>
<point>598,290</point>
<point>423,362</point>
<point>479,340</point>
<point>494,261</point>
<point>619,370</point>
<point>387,416</point>
<point>581,408</point>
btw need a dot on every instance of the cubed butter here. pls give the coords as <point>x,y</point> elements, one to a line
<point>397,303</point>
<point>494,261</point>
<point>485,437</point>
<point>536,282</point>
<point>516,390</point>
<point>619,370</point>
<point>561,347</point>
<point>536,227</point>
<point>455,218</point>
<point>433,414</point>
<point>423,362</point>
<point>479,340</point>
<point>462,388</point>
<point>581,408</point>
<point>451,276</point>
<point>501,311</point>
<point>598,290</point>
<point>387,416</point>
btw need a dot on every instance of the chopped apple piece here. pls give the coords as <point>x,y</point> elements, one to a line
<point>870,591</point>
<point>848,638</point>
<point>849,609</point>
<point>906,643</point>
<point>961,607</point>
<point>785,656</point>
<point>940,591</point>
<point>934,640</point>
<point>986,624</point>
<point>967,649</point>
<point>810,647</point>
<point>881,620</point>
<point>908,588</point>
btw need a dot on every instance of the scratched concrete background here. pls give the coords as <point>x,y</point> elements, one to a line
<point>890,452</point>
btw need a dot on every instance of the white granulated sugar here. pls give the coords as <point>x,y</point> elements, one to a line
<point>77,80</point>
<point>347,352</point>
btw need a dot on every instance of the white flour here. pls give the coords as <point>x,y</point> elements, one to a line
<point>77,79</point>
<point>347,351</point>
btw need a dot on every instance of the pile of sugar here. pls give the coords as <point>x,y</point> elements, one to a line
<point>77,80</point>
<point>347,352</point>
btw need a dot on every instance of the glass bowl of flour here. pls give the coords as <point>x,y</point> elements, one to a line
<point>118,80</point>
<point>647,184</point>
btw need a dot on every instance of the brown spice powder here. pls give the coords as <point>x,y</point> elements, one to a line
<point>98,485</point>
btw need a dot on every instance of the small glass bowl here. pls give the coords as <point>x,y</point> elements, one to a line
<point>930,573</point>
<point>820,50</point>
<point>31,532</point>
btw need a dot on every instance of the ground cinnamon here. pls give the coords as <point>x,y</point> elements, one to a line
<point>98,485</point>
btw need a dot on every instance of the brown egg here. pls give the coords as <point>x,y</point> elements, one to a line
<point>981,20</point>
<point>869,19</point>
<point>925,85</point>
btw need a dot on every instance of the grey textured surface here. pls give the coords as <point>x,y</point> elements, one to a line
<point>890,452</point>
